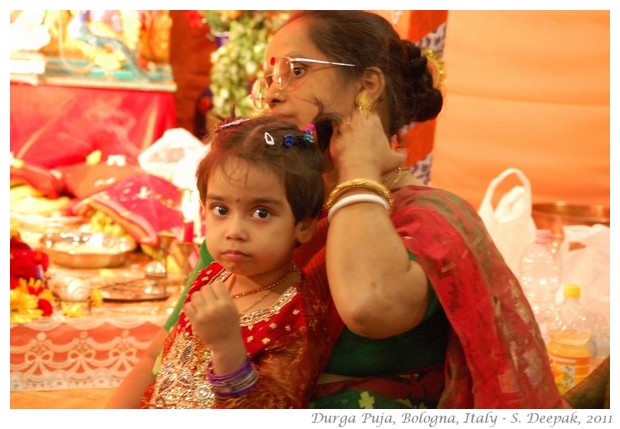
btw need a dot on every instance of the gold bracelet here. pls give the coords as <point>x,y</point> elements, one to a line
<point>367,184</point>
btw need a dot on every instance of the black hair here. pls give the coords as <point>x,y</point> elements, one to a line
<point>294,158</point>
<point>366,40</point>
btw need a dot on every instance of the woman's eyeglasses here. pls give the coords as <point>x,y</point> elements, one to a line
<point>284,71</point>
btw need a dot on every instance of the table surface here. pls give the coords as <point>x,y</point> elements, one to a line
<point>93,352</point>
<point>61,399</point>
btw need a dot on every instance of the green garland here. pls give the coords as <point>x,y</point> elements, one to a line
<point>238,62</point>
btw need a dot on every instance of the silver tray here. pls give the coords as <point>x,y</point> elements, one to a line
<point>86,250</point>
<point>131,293</point>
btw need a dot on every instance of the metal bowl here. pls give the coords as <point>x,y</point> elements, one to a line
<point>554,216</point>
<point>86,250</point>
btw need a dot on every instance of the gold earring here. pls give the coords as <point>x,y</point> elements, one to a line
<point>363,103</point>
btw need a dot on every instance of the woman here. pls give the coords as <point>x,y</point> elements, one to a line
<point>434,317</point>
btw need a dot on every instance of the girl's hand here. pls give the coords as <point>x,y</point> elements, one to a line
<point>360,148</point>
<point>214,316</point>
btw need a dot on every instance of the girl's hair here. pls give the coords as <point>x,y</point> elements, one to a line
<point>409,82</point>
<point>293,157</point>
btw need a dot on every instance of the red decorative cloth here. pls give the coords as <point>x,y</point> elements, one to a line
<point>41,179</point>
<point>54,125</point>
<point>77,180</point>
<point>143,204</point>
<point>82,179</point>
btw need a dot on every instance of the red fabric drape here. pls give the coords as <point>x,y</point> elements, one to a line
<point>55,125</point>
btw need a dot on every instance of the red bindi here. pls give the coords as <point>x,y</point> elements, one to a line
<point>272,61</point>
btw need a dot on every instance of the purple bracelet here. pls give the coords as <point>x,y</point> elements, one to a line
<point>236,383</point>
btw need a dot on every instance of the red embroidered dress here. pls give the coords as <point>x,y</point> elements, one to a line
<point>286,343</point>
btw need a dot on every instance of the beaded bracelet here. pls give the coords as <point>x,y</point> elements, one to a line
<point>233,384</point>
<point>356,198</point>
<point>367,184</point>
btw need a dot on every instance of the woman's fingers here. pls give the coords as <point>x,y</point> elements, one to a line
<point>359,143</point>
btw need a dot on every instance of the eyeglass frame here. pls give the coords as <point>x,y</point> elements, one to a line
<point>292,60</point>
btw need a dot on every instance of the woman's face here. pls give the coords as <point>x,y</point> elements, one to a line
<point>328,84</point>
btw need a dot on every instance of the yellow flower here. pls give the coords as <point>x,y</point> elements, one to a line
<point>96,298</point>
<point>22,301</point>
<point>47,295</point>
<point>23,306</point>
<point>73,309</point>
<point>26,317</point>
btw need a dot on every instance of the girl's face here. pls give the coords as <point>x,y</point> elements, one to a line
<point>250,226</point>
<point>326,83</point>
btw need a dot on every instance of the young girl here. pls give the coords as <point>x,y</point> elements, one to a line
<point>251,333</point>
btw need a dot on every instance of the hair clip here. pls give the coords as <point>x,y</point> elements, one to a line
<point>225,125</point>
<point>435,65</point>
<point>309,133</point>
<point>289,140</point>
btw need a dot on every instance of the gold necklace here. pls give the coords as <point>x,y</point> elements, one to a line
<point>268,287</point>
<point>394,177</point>
<point>255,303</point>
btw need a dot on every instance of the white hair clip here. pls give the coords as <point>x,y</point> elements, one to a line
<point>269,139</point>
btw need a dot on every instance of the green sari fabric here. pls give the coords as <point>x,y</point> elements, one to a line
<point>423,346</point>
<point>204,260</point>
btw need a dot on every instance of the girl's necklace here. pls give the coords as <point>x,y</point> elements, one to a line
<point>255,303</point>
<point>268,287</point>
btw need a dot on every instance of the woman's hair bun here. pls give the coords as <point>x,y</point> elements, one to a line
<point>425,100</point>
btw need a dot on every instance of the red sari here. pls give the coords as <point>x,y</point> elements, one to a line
<point>496,357</point>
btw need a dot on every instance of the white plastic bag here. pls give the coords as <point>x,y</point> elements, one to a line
<point>174,157</point>
<point>511,224</point>
<point>585,254</point>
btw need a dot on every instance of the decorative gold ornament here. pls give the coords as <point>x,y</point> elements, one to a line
<point>436,66</point>
<point>357,184</point>
<point>363,103</point>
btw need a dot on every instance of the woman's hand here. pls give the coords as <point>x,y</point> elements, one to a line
<point>213,315</point>
<point>360,148</point>
<point>378,291</point>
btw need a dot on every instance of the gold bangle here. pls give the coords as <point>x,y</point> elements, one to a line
<point>367,184</point>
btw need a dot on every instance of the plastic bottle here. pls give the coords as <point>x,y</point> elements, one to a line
<point>568,348</point>
<point>540,276</point>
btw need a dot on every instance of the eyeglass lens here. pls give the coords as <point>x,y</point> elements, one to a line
<point>282,72</point>
<point>281,76</point>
